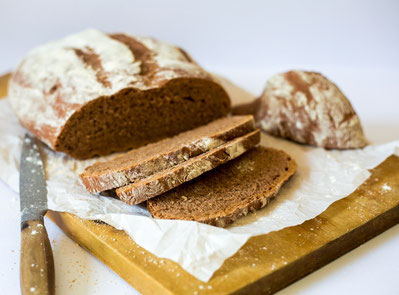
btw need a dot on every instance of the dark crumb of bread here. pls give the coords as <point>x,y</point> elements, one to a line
<point>131,118</point>
<point>228,192</point>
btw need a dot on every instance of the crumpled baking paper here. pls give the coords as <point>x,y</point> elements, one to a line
<point>322,178</point>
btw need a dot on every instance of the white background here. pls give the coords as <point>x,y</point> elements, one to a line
<point>355,43</point>
<point>224,33</point>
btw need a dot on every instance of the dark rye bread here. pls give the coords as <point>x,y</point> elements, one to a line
<point>150,159</point>
<point>228,192</point>
<point>94,93</point>
<point>133,118</point>
<point>168,179</point>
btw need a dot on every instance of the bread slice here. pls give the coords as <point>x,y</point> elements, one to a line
<point>166,180</point>
<point>148,160</point>
<point>228,192</point>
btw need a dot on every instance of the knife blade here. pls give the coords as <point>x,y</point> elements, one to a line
<point>37,264</point>
<point>32,182</point>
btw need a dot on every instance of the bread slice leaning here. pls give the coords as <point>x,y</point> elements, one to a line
<point>153,158</point>
<point>228,192</point>
<point>168,179</point>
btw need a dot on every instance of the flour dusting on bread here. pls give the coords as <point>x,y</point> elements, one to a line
<point>308,108</point>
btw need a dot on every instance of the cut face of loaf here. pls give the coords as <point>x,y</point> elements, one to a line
<point>168,179</point>
<point>228,192</point>
<point>153,158</point>
<point>93,94</point>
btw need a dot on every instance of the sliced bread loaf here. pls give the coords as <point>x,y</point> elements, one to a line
<point>168,179</point>
<point>94,93</point>
<point>153,158</point>
<point>228,192</point>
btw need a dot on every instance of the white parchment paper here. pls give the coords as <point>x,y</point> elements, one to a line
<point>322,178</point>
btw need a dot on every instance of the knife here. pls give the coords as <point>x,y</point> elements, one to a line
<point>37,264</point>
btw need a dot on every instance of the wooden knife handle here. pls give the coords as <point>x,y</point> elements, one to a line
<point>37,263</point>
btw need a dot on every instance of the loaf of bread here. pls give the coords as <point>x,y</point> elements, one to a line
<point>307,108</point>
<point>228,192</point>
<point>94,93</point>
<point>145,161</point>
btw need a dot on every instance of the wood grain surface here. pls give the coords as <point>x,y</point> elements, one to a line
<point>4,84</point>
<point>37,263</point>
<point>266,263</point>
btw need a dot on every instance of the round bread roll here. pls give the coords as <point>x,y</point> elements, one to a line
<point>308,108</point>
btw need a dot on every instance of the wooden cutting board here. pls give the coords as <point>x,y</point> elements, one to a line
<point>266,263</point>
